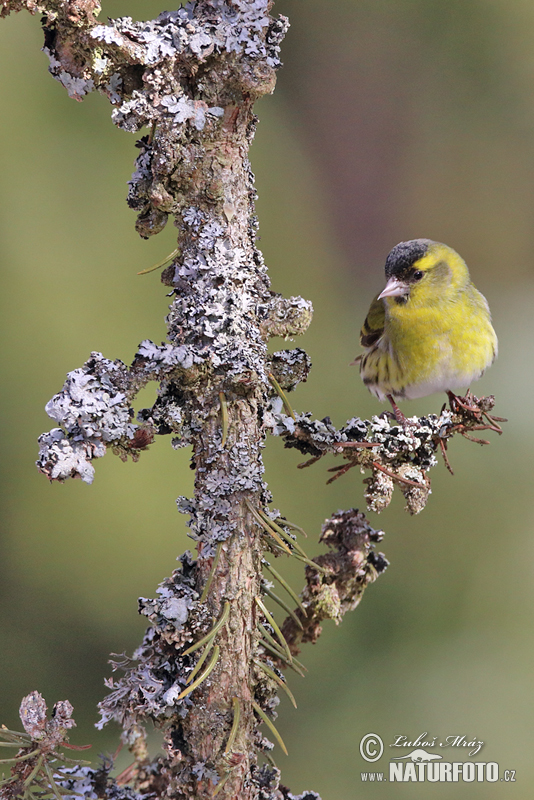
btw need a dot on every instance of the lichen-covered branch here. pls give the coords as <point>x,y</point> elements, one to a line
<point>348,569</point>
<point>395,454</point>
<point>191,76</point>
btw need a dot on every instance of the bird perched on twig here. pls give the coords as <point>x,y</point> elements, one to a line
<point>429,330</point>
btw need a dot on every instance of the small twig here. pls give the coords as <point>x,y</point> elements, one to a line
<point>443,446</point>
<point>477,412</point>
<point>205,674</point>
<point>76,746</point>
<point>280,392</point>
<point>235,725</point>
<point>210,635</point>
<point>270,725</point>
<point>461,402</point>
<point>396,477</point>
<point>160,263</point>
<point>127,774</point>
<point>224,417</point>
<point>474,438</point>
<point>310,461</point>
<point>494,418</point>
<point>341,470</point>
<point>483,427</point>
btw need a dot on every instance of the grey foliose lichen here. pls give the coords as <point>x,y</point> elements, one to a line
<point>213,515</point>
<point>237,27</point>
<point>77,87</point>
<point>267,780</point>
<point>158,360</point>
<point>61,458</point>
<point>241,28</point>
<point>93,783</point>
<point>216,295</point>
<point>396,443</point>
<point>156,674</point>
<point>93,410</point>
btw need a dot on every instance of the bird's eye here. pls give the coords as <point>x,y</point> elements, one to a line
<point>418,274</point>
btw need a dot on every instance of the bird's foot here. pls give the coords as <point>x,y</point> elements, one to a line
<point>407,424</point>
<point>399,416</point>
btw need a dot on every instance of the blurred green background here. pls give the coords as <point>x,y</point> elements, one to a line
<point>391,120</point>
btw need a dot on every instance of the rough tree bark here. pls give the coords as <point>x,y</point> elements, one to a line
<point>192,77</point>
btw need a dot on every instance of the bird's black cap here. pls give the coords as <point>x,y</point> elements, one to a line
<point>403,255</point>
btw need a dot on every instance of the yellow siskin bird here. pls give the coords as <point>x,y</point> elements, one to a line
<point>429,330</point>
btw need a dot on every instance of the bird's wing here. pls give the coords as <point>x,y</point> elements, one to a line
<point>373,327</point>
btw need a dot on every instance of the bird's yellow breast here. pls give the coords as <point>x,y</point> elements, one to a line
<point>432,346</point>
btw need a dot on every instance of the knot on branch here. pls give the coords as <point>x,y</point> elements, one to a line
<point>290,367</point>
<point>285,317</point>
<point>351,566</point>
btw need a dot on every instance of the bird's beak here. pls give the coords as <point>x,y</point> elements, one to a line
<point>394,288</point>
